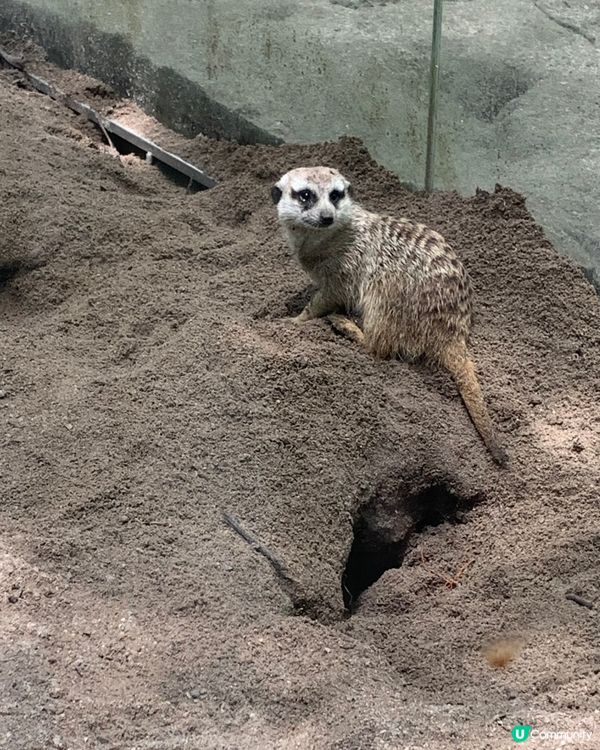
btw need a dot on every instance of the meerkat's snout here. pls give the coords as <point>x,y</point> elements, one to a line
<point>313,198</point>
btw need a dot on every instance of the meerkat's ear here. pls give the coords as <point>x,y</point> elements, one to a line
<point>350,190</point>
<point>276,194</point>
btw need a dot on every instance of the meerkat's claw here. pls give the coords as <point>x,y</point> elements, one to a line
<point>300,319</point>
<point>297,320</point>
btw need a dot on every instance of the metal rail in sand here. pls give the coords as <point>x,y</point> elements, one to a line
<point>109,126</point>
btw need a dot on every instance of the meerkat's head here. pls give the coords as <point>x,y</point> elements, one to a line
<point>313,199</point>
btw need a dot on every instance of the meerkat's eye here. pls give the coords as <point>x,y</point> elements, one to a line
<point>305,195</point>
<point>335,196</point>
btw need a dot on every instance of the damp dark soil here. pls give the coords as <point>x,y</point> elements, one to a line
<point>149,384</point>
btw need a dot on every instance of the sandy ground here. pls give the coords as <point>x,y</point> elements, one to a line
<point>150,383</point>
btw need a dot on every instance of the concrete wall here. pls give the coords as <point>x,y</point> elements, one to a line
<point>518,77</point>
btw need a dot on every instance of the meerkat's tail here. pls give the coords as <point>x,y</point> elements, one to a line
<point>459,364</point>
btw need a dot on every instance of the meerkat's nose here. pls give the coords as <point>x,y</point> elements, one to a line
<point>325,220</point>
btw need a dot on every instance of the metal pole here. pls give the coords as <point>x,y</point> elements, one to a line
<point>436,43</point>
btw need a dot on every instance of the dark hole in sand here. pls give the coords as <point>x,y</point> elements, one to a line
<point>8,271</point>
<point>12,268</point>
<point>384,528</point>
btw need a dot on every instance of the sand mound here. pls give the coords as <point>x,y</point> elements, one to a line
<point>150,383</point>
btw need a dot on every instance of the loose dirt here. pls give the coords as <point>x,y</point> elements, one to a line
<point>150,383</point>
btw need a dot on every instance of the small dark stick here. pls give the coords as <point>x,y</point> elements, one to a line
<point>107,136</point>
<point>579,600</point>
<point>291,587</point>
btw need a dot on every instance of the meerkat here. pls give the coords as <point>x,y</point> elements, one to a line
<point>402,279</point>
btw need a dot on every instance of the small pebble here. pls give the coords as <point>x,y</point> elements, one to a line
<point>3,393</point>
<point>55,691</point>
<point>196,693</point>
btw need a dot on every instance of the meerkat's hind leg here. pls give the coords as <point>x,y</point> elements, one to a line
<point>348,327</point>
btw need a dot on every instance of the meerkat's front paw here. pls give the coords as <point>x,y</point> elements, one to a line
<point>299,319</point>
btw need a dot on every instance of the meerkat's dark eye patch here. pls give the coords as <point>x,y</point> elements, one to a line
<point>306,197</point>
<point>335,196</point>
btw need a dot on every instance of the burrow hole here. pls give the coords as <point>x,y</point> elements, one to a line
<point>386,525</point>
<point>17,267</point>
